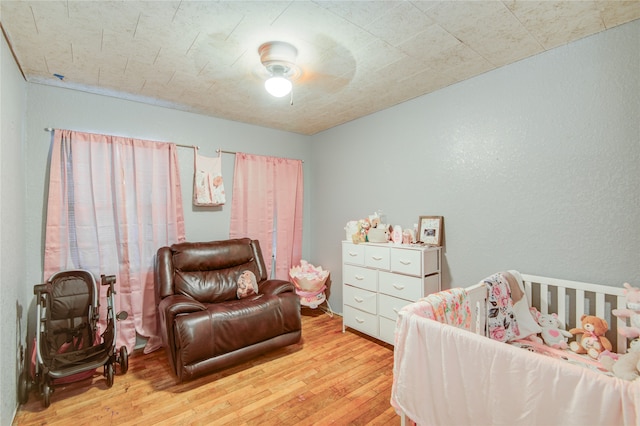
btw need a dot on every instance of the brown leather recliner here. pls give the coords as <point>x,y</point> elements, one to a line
<point>204,326</point>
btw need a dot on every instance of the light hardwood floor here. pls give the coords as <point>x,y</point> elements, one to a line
<point>329,378</point>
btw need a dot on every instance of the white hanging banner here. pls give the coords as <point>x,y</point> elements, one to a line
<point>208,188</point>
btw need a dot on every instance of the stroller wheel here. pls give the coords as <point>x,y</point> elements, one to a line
<point>46,394</point>
<point>23,388</point>
<point>123,360</point>
<point>109,373</point>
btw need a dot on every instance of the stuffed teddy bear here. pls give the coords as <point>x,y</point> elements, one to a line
<point>632,313</point>
<point>593,340</point>
<point>552,334</point>
<point>627,366</point>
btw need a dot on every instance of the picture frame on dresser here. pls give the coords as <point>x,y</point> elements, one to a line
<point>430,230</point>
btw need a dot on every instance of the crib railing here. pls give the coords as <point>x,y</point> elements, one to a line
<point>569,299</point>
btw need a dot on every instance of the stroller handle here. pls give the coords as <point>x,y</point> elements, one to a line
<point>108,279</point>
<point>41,288</point>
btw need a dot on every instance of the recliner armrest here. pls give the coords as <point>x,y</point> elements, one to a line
<point>275,287</point>
<point>168,309</point>
<point>180,304</point>
<point>163,273</point>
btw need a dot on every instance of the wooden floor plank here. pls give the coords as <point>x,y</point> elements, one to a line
<point>330,377</point>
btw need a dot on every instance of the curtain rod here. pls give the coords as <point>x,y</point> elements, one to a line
<point>50,129</point>
<point>225,152</point>
<point>187,146</point>
<point>233,152</point>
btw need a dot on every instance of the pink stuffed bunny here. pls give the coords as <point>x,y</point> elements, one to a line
<point>632,313</point>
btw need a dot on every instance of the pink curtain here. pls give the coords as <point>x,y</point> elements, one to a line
<point>113,202</point>
<point>267,206</point>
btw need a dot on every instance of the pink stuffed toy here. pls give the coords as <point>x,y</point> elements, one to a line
<point>632,313</point>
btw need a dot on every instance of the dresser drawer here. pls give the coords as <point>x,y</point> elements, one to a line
<point>353,254</point>
<point>389,307</point>
<point>361,321</point>
<point>401,286</point>
<point>387,330</point>
<point>362,299</point>
<point>432,284</point>
<point>360,277</point>
<point>377,256</point>
<point>431,261</point>
<point>406,261</point>
<point>418,262</point>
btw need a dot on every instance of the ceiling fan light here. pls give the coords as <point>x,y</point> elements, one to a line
<point>278,86</point>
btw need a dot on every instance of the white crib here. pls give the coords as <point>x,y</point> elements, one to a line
<point>449,376</point>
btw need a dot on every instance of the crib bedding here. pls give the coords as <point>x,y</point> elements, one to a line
<point>447,306</point>
<point>444,375</point>
<point>563,355</point>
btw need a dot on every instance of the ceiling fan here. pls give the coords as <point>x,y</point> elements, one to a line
<point>324,67</point>
<point>279,59</point>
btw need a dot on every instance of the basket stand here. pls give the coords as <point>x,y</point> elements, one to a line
<point>315,299</point>
<point>312,293</point>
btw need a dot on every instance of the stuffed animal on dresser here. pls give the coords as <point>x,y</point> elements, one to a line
<point>593,340</point>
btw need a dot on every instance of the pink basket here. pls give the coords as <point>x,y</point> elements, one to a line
<point>309,286</point>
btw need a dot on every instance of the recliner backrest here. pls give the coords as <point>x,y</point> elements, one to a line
<point>207,271</point>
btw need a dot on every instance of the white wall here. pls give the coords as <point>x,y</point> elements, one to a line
<point>534,166</point>
<point>16,294</point>
<point>70,109</point>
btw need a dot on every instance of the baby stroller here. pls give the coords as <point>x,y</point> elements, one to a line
<point>68,345</point>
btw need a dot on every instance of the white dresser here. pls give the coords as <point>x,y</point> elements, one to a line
<point>379,279</point>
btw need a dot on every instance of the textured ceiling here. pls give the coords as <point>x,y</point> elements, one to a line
<point>357,57</point>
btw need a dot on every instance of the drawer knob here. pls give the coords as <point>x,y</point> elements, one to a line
<point>352,254</point>
<point>398,287</point>
<point>359,277</point>
<point>359,320</point>
<point>405,262</point>
<point>358,299</point>
<point>395,310</point>
<point>376,257</point>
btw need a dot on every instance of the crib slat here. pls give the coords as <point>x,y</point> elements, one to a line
<point>562,308</point>
<point>477,315</point>
<point>621,347</point>
<point>600,305</point>
<point>579,306</point>
<point>544,298</point>
<point>528,289</point>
